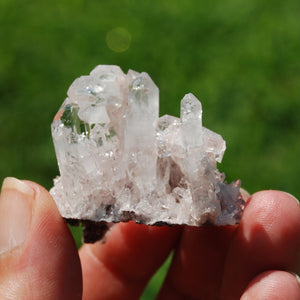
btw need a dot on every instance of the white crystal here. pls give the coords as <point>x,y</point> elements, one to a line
<point>119,161</point>
<point>139,147</point>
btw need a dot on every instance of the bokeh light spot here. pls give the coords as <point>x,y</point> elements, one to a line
<point>118,39</point>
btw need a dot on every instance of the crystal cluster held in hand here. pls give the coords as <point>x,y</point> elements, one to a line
<point>119,161</point>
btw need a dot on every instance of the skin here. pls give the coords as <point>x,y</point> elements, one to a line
<point>247,261</point>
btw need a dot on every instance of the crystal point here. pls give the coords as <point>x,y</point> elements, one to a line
<point>119,161</point>
<point>191,109</point>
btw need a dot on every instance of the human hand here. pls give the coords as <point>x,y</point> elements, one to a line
<point>39,259</point>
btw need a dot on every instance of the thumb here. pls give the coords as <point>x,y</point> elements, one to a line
<point>38,256</point>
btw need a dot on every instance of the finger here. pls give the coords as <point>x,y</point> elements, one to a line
<point>120,267</point>
<point>268,238</point>
<point>38,257</point>
<point>197,266</point>
<point>273,285</point>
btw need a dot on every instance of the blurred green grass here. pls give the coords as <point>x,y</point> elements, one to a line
<point>241,59</point>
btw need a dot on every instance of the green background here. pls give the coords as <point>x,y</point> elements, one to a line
<point>240,58</point>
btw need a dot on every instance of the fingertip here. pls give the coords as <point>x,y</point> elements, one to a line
<point>126,260</point>
<point>292,197</point>
<point>271,220</point>
<point>271,207</point>
<point>129,242</point>
<point>51,238</point>
<point>273,285</point>
<point>268,237</point>
<point>275,194</point>
<point>41,194</point>
<point>47,261</point>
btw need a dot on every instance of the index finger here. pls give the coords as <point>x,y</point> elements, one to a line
<point>120,267</point>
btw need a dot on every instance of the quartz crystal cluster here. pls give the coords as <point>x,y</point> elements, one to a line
<point>119,161</point>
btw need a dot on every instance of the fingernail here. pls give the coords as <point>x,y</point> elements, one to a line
<point>15,213</point>
<point>244,192</point>
<point>292,197</point>
<point>297,277</point>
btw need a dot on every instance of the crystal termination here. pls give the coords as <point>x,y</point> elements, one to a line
<point>119,161</point>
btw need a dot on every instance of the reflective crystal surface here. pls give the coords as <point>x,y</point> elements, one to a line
<point>119,161</point>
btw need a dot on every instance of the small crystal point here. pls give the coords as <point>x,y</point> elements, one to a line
<point>191,109</point>
<point>214,144</point>
<point>140,150</point>
<point>119,161</point>
<point>191,118</point>
<point>168,135</point>
<point>166,122</point>
<point>107,73</point>
<point>199,167</point>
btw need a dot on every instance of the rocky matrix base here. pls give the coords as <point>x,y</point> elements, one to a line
<point>119,161</point>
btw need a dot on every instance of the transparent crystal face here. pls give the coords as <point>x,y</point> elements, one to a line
<point>119,161</point>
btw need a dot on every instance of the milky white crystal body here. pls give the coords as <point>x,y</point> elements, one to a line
<point>119,161</point>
